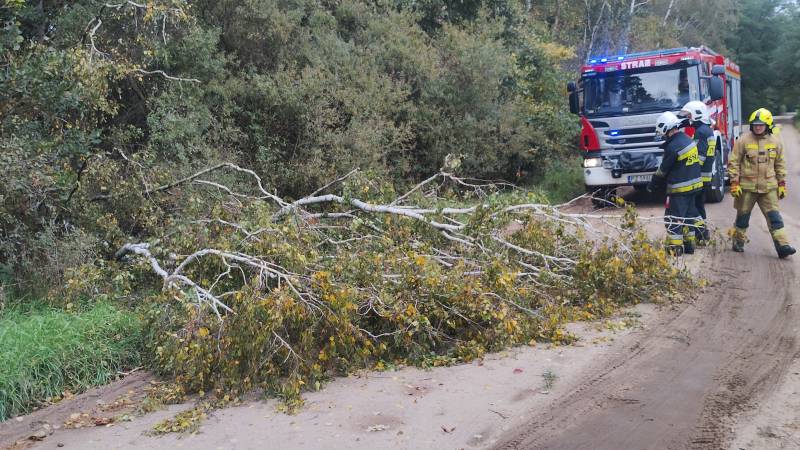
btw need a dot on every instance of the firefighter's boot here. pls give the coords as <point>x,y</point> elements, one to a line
<point>675,250</point>
<point>689,245</point>
<point>703,234</point>
<point>739,235</point>
<point>704,237</point>
<point>778,233</point>
<point>784,251</point>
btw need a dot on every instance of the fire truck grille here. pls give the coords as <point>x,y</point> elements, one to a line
<point>632,140</point>
<point>629,131</point>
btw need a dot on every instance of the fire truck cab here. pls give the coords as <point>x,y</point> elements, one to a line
<point>618,99</point>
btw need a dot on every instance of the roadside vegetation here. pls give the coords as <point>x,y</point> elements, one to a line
<point>271,158</point>
<point>49,353</point>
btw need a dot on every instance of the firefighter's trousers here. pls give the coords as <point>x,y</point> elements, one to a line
<point>701,228</point>
<point>768,203</point>
<point>680,220</point>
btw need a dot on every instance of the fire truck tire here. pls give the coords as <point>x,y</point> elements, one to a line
<point>716,191</point>
<point>601,197</point>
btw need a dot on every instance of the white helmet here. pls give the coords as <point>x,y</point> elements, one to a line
<point>665,122</point>
<point>698,111</point>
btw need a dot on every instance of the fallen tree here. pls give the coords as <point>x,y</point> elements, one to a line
<point>265,292</point>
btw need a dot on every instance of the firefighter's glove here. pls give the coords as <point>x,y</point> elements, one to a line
<point>651,187</point>
<point>781,190</point>
<point>736,190</point>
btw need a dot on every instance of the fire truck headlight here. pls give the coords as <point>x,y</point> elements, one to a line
<point>592,162</point>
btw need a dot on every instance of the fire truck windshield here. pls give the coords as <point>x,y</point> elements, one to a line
<point>638,91</point>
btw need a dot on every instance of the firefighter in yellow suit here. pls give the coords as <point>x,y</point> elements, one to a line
<point>757,171</point>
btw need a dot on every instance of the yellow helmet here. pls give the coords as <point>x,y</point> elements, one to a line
<point>761,116</point>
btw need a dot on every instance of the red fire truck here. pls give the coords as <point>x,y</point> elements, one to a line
<point>619,97</point>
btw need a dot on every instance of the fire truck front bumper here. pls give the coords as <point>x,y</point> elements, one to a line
<point>605,171</point>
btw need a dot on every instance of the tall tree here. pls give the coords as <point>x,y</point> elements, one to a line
<point>785,64</point>
<point>753,41</point>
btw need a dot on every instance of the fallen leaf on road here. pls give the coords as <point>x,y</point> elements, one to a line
<point>99,421</point>
<point>447,430</point>
<point>517,370</point>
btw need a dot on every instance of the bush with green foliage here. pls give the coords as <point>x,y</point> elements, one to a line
<point>102,103</point>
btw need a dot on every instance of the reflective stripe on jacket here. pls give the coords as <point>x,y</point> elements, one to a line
<point>681,166</point>
<point>757,163</point>
<point>706,146</point>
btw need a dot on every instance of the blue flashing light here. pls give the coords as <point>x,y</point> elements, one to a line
<point>614,133</point>
<point>670,51</point>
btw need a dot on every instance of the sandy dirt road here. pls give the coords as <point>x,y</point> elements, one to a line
<point>718,372</point>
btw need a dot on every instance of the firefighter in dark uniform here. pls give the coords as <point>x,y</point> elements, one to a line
<point>699,118</point>
<point>680,169</point>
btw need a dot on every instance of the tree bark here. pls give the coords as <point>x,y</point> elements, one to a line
<point>596,24</point>
<point>558,16</point>
<point>669,11</point>
<point>43,24</point>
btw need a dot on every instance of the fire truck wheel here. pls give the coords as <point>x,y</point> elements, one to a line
<point>602,197</point>
<point>716,191</point>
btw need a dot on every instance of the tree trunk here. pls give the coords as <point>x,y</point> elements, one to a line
<point>558,15</point>
<point>669,10</point>
<point>43,24</point>
<point>626,30</point>
<point>596,25</point>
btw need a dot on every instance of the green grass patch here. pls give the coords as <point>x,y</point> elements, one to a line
<point>561,181</point>
<point>46,351</point>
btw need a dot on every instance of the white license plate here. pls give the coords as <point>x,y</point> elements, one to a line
<point>639,178</point>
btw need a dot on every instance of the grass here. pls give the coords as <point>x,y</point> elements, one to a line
<point>561,181</point>
<point>549,379</point>
<point>45,352</point>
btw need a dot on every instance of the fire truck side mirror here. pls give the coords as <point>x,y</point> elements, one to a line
<point>718,69</point>
<point>716,88</point>
<point>573,103</point>
<point>573,97</point>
